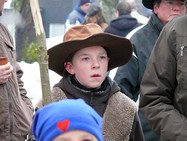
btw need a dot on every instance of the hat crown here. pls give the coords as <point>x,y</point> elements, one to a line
<point>82,32</point>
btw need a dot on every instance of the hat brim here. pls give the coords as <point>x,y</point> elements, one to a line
<point>120,48</point>
<point>148,3</point>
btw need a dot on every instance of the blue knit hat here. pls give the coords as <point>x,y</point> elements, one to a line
<point>82,2</point>
<point>68,114</point>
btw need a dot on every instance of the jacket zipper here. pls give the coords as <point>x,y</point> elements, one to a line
<point>91,100</point>
<point>182,50</point>
<point>10,112</point>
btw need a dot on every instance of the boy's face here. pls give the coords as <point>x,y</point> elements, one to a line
<point>75,135</point>
<point>89,65</point>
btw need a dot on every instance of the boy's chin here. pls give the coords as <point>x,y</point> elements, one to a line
<point>94,86</point>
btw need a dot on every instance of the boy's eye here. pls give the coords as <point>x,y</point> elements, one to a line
<point>170,2</point>
<point>182,3</point>
<point>85,58</point>
<point>103,57</point>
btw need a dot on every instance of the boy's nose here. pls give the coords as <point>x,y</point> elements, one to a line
<point>95,63</point>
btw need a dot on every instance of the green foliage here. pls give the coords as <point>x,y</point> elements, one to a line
<point>110,3</point>
<point>17,4</point>
<point>29,53</point>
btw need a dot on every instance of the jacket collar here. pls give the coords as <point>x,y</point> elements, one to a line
<point>155,21</point>
<point>97,98</point>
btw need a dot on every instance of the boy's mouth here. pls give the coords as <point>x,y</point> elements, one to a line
<point>95,75</point>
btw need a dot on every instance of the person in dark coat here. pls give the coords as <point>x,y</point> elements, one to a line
<point>163,97</point>
<point>129,76</point>
<point>124,23</point>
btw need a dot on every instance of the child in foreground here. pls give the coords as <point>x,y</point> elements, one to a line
<point>83,59</point>
<point>67,120</point>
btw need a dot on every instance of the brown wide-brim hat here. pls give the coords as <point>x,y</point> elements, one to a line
<point>148,3</point>
<point>82,36</point>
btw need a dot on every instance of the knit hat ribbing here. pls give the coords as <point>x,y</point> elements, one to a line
<point>82,2</point>
<point>66,115</point>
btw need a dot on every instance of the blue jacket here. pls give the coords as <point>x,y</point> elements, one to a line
<point>74,18</point>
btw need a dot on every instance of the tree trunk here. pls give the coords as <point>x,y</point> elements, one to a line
<point>41,50</point>
<point>109,7</point>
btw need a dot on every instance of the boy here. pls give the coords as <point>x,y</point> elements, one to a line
<point>83,60</point>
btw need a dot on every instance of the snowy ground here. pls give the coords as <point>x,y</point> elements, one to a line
<point>32,81</point>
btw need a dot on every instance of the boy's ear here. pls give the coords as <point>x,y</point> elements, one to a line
<point>155,8</point>
<point>69,67</point>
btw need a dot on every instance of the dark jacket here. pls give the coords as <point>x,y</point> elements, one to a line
<point>130,75</point>
<point>16,110</point>
<point>164,96</point>
<point>121,121</point>
<point>122,25</point>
